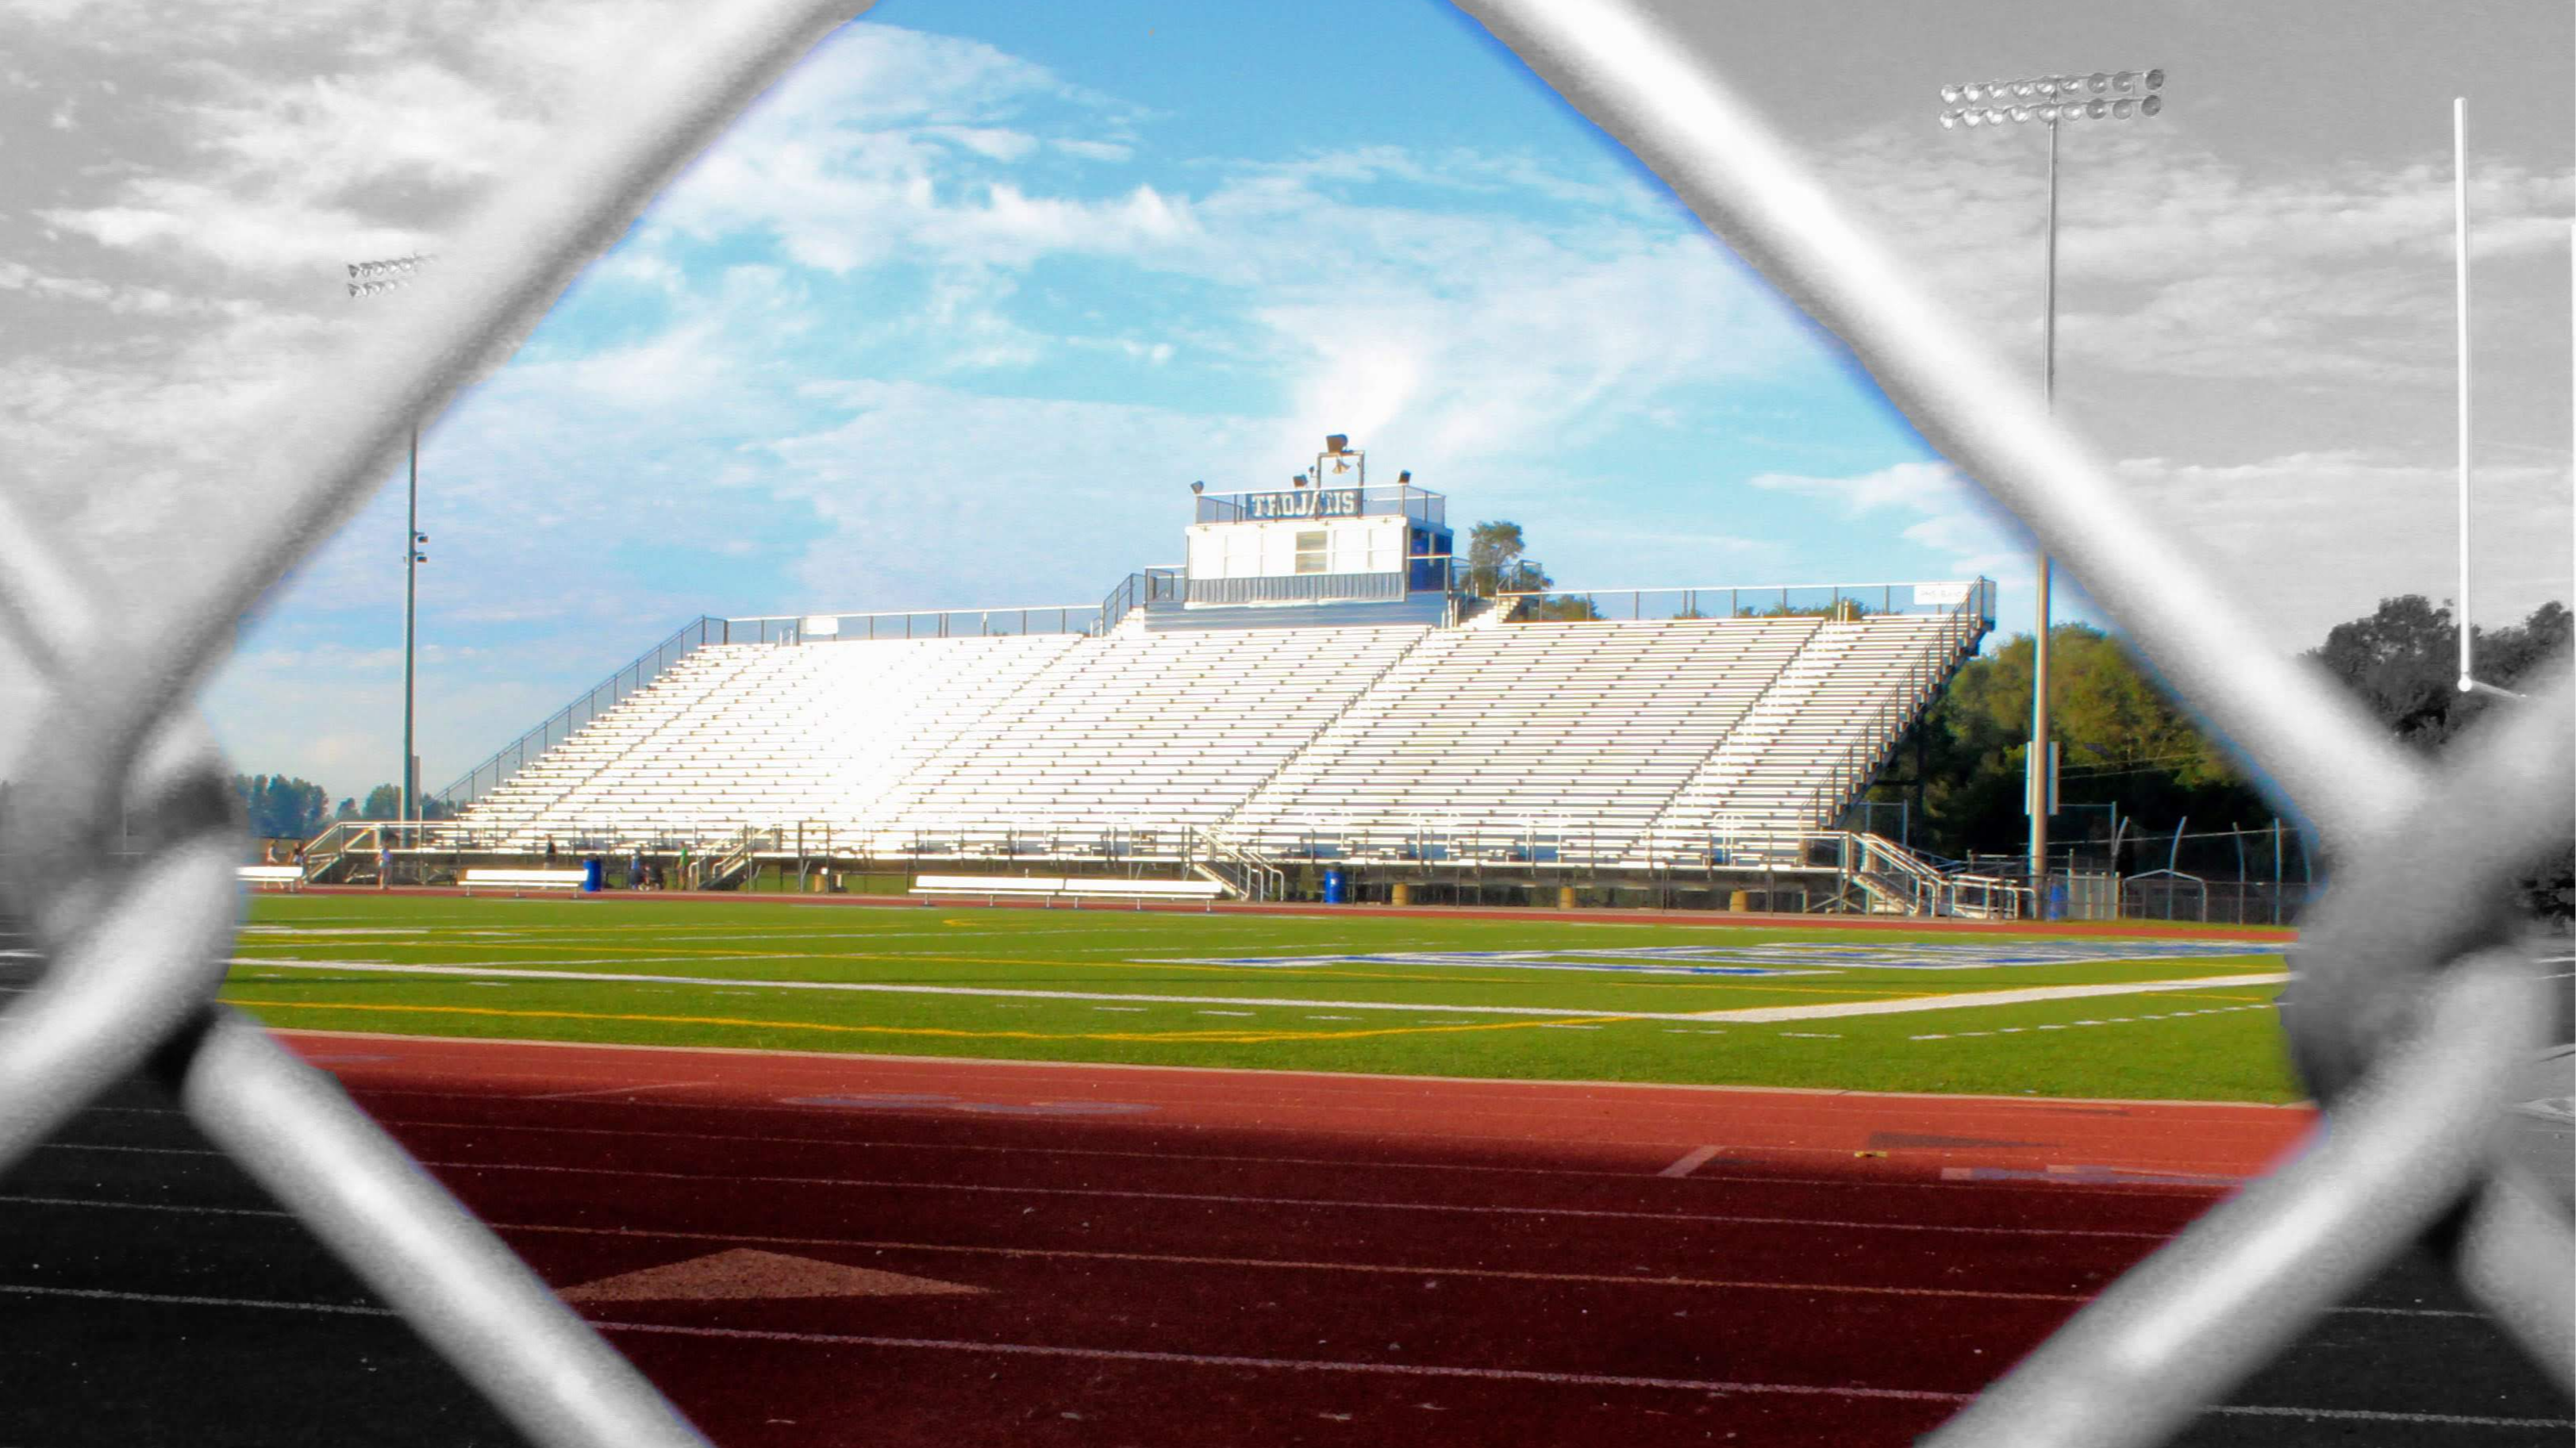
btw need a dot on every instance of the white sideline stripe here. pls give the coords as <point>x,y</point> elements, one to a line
<point>1692,1161</point>
<point>1305,1365</point>
<point>1597,1213</point>
<point>1122,1194</point>
<point>1757,1013</point>
<point>1965,999</point>
<point>1183,1260</point>
<point>618,1090</point>
<point>2139,1188</point>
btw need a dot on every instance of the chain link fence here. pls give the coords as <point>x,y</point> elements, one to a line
<point>119,846</point>
<point>2416,1012</point>
<point>2412,1013</point>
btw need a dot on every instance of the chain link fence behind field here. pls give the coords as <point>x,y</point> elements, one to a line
<point>2416,1006</point>
<point>2411,1012</point>
<point>120,842</point>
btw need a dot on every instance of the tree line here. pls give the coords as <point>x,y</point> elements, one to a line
<point>2122,741</point>
<point>283,808</point>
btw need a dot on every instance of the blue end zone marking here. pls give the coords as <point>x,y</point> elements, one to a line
<point>1776,958</point>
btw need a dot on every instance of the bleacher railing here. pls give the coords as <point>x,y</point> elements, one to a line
<point>917,623</point>
<point>1771,600</point>
<point>636,674</point>
<point>1141,589</point>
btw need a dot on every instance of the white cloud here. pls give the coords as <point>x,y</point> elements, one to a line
<point>2174,260</point>
<point>1950,517</point>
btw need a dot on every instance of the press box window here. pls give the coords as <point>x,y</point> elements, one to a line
<point>1310,552</point>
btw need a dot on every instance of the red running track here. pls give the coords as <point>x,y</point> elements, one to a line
<point>1167,1255</point>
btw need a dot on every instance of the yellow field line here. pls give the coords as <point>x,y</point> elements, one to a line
<point>1213,1037</point>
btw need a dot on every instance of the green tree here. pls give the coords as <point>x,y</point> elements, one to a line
<point>2121,742</point>
<point>279,807</point>
<point>384,802</point>
<point>2402,663</point>
<point>1562,608</point>
<point>1498,561</point>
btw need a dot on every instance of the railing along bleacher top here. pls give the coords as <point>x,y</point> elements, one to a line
<point>1931,598</point>
<point>935,623</point>
<point>1322,504</point>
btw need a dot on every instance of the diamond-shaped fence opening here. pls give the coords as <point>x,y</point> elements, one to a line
<point>2411,1012</point>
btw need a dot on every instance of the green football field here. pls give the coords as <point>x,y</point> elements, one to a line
<point>1650,1001</point>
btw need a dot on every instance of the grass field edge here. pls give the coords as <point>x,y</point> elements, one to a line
<point>2117,929</point>
<point>1500,1081</point>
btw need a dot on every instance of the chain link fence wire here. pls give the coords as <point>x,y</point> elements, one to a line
<point>133,951</point>
<point>2415,1011</point>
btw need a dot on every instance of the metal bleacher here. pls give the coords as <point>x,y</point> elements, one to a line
<point>1632,742</point>
<point>1553,729</point>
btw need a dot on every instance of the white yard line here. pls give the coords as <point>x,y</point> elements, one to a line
<point>1897,1006</point>
<point>1962,1000</point>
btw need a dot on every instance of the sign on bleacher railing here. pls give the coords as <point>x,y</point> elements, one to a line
<point>1306,503</point>
<point>1944,595</point>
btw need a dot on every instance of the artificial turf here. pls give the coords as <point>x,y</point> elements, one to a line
<point>1598,1006</point>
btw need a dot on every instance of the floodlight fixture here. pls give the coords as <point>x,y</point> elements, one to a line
<point>2052,99</point>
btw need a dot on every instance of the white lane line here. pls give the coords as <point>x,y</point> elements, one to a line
<point>1504,1274</point>
<point>1757,1013</point>
<point>1336,1203</point>
<point>1690,1161</point>
<point>1306,1365</point>
<point>1965,999</point>
<point>1216,1198</point>
<point>617,1090</point>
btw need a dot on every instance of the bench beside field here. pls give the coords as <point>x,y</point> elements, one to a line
<point>1047,889</point>
<point>271,877</point>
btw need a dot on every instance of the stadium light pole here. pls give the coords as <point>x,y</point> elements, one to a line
<point>367,279</point>
<point>2049,100</point>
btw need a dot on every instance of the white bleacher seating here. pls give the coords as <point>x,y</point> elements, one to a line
<point>275,877</point>
<point>1612,741</point>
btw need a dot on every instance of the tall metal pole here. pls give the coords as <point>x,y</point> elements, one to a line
<point>411,595</point>
<point>2037,767</point>
<point>2460,287</point>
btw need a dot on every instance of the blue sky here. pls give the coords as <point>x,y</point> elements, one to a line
<point>955,315</point>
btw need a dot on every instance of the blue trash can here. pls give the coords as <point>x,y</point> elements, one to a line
<point>1336,887</point>
<point>2057,900</point>
<point>590,875</point>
